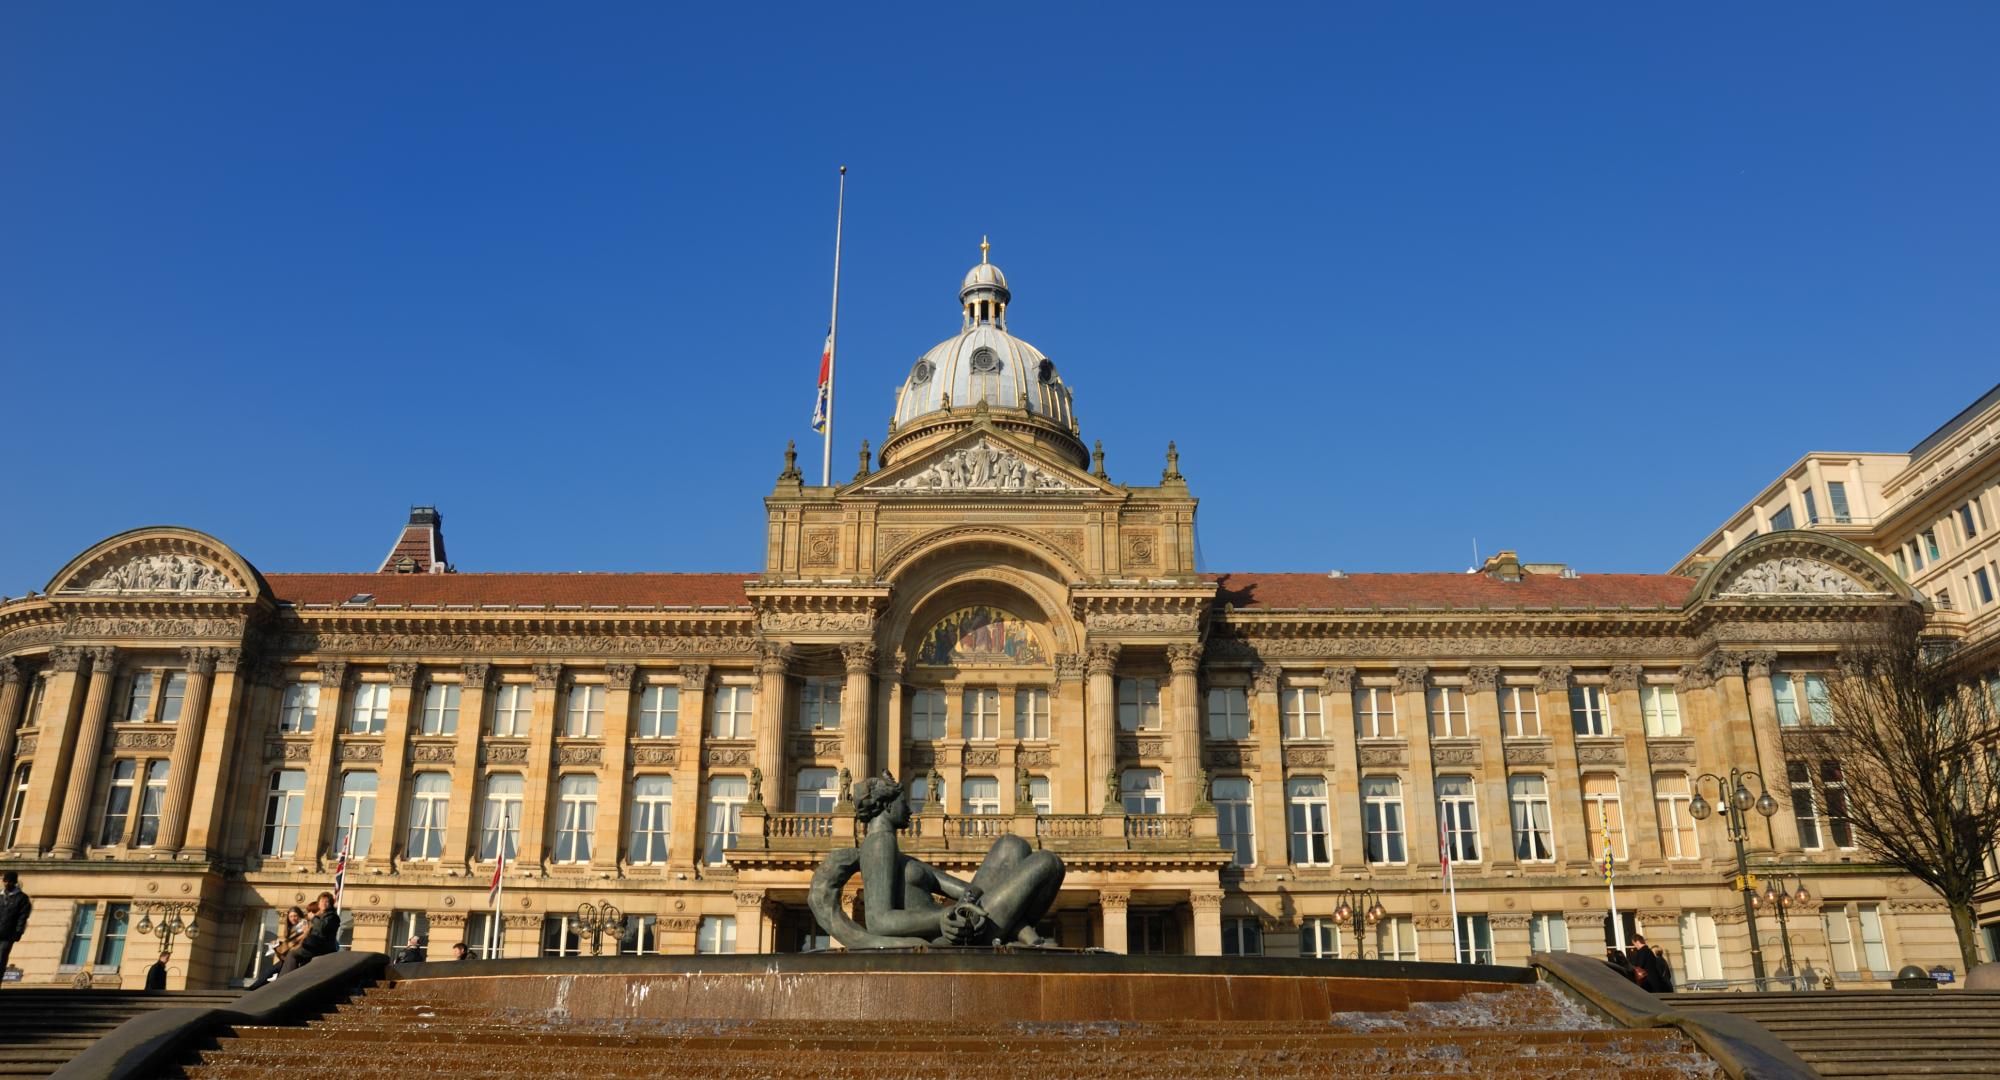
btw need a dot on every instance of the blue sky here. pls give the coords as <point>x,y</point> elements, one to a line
<point>1571,279</point>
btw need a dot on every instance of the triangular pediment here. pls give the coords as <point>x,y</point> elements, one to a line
<point>983,461</point>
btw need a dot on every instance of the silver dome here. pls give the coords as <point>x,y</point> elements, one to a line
<point>984,363</point>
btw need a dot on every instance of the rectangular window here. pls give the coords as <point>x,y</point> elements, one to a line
<point>641,936</point>
<point>576,818</point>
<point>1031,713</point>
<point>1038,795</point>
<point>1228,713</point>
<point>920,789</point>
<point>1375,712</point>
<point>1786,694</point>
<point>652,819</point>
<point>82,931</point>
<point>1242,937</point>
<point>111,943</point>
<point>430,807</point>
<point>1818,704</point>
<point>1902,564</point>
<point>253,948</point>
<point>171,697</point>
<point>118,802</point>
<point>15,806</point>
<point>152,800</point>
<point>1833,796</point>
<point>819,705</point>
<point>1836,500</point>
<point>585,717</point>
<point>1677,832</point>
<point>717,934</point>
<point>1233,821</point>
<point>300,710</point>
<point>1916,554</point>
<point>1586,710</point>
<point>1840,942</point>
<point>818,790</point>
<point>1800,780</point>
<point>139,698</point>
<point>1475,940</point>
<point>559,936</point>
<point>982,795</point>
<point>1781,520</point>
<point>1701,956</point>
<point>1534,838</point>
<point>1447,709</point>
<point>502,824</point>
<point>483,939</point>
<point>1382,817</point>
<point>1458,815</point>
<point>1966,522</point>
<point>1874,949</point>
<point>369,715</point>
<point>1152,933</point>
<point>1142,792</point>
<point>1520,711</point>
<point>1661,707</point>
<point>726,796</point>
<point>1931,545</point>
<point>1812,508</point>
<point>1604,814</point>
<point>513,710</point>
<point>1982,585</point>
<point>731,713</point>
<point>357,813</point>
<point>1319,938</point>
<point>1303,718</point>
<point>1396,938</point>
<point>440,709</point>
<point>927,714</point>
<point>284,806</point>
<point>406,925</point>
<point>1548,932</point>
<point>1310,818</point>
<point>1139,704</point>
<point>982,713</point>
<point>660,712</point>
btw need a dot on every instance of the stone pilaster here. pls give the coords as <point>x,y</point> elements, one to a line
<point>1642,825</point>
<point>1267,803</point>
<point>1070,782</point>
<point>322,779</point>
<point>61,701</point>
<point>1482,704</point>
<point>541,760</point>
<point>688,775</point>
<point>607,842</point>
<point>857,709</point>
<point>1184,728</point>
<point>1419,791</point>
<point>1207,905</point>
<point>1101,722</point>
<point>1112,903</point>
<point>386,843</point>
<point>83,759</point>
<point>1565,785</point>
<point>187,755</point>
<point>462,820</point>
<point>1769,741</point>
<point>13,690</point>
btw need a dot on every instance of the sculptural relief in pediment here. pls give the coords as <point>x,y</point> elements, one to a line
<point>982,467</point>
<point>1791,576</point>
<point>160,573</point>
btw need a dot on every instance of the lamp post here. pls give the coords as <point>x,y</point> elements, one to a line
<point>1777,897</point>
<point>597,921</point>
<point>169,926</point>
<point>1362,908</point>
<point>1737,802</point>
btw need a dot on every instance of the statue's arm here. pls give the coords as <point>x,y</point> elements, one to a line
<point>953,887</point>
<point>882,887</point>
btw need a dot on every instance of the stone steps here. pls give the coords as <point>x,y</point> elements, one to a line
<point>1875,1034</point>
<point>41,1029</point>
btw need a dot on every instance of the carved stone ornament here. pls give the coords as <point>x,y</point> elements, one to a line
<point>1141,548</point>
<point>728,755</point>
<point>1411,678</point>
<point>1143,746</point>
<point>1034,759</point>
<point>65,658</point>
<point>10,672</point>
<point>1113,899</point>
<point>1142,622</point>
<point>1305,757</point>
<point>619,676</point>
<point>548,676</point>
<point>858,657</point>
<point>1205,901</point>
<point>1759,662</point>
<point>1791,576</point>
<point>826,745</point>
<point>26,746</point>
<point>1527,753</point>
<point>1600,752</point>
<point>1264,678</point>
<point>1068,541</point>
<point>580,754</point>
<point>370,751</point>
<point>1625,677</point>
<point>1671,753</point>
<point>1223,757</point>
<point>1695,677</point>
<point>656,755</point>
<point>1482,680</point>
<point>1339,680</point>
<point>1445,754</point>
<point>433,753</point>
<point>198,661</point>
<point>807,621</point>
<point>982,757</point>
<point>1383,755</point>
<point>773,657</point>
<point>447,920</point>
<point>331,674</point>
<point>474,676</point>
<point>504,753</point>
<point>29,635</point>
<point>524,644</point>
<point>1661,647</point>
<point>1103,658</point>
<point>694,678</point>
<point>136,739</point>
<point>1069,666</point>
<point>402,673</point>
<point>981,466</point>
<point>819,548</point>
<point>161,573</point>
<point>1184,658</point>
<point>288,750</point>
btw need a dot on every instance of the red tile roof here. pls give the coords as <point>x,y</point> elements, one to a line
<point>1452,591</point>
<point>689,590</point>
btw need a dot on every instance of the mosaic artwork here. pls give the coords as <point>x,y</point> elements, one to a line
<point>980,635</point>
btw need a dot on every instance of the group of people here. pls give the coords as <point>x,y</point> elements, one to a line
<point>309,931</point>
<point>1639,963</point>
<point>15,907</point>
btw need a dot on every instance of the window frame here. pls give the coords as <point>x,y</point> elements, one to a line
<point>649,841</point>
<point>1138,703</point>
<point>1382,816</point>
<point>1528,833</point>
<point>1031,713</point>
<point>1308,821</point>
<point>1304,711</point>
<point>659,711</point>
<point>736,704</point>
<point>1369,714</point>
<point>1447,722</point>
<point>1589,711</point>
<point>1512,714</point>
<point>515,703</point>
<point>430,817</point>
<point>575,819</point>
<point>1228,713</point>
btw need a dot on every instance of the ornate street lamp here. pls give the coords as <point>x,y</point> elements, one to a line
<point>1362,908</point>
<point>169,926</point>
<point>597,921</point>
<point>1779,898</point>
<point>1737,802</point>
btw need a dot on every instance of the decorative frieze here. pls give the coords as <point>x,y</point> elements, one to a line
<point>579,754</point>
<point>1527,753</point>
<point>1035,759</point>
<point>1383,755</point>
<point>302,642</point>
<point>288,750</point>
<point>982,758</point>
<point>1224,757</point>
<point>1600,751</point>
<point>1455,754</point>
<point>150,738</point>
<point>730,755</point>
<point>1142,746</point>
<point>367,751</point>
<point>433,753</point>
<point>1388,646</point>
<point>789,622</point>
<point>503,753</point>
<point>1670,751</point>
<point>656,754</point>
<point>1306,757</point>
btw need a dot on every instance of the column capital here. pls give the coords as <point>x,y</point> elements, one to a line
<point>1184,657</point>
<point>548,676</point>
<point>619,676</point>
<point>1412,678</point>
<point>1695,677</point>
<point>65,658</point>
<point>403,673</point>
<point>1102,658</point>
<point>1483,679</point>
<point>1202,901</point>
<point>694,677</point>
<point>773,658</point>
<point>331,674</point>
<point>1760,661</point>
<point>1553,678</point>
<point>199,661</point>
<point>1070,666</point>
<point>1625,677</point>
<point>1114,899</point>
<point>103,658</point>
<point>859,656</point>
<point>1264,678</point>
<point>749,898</point>
<point>1339,679</point>
<point>10,671</point>
<point>228,660</point>
<point>475,676</point>
<point>1725,664</point>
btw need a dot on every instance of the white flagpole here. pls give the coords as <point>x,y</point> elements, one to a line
<point>1451,889</point>
<point>1611,886</point>
<point>499,885</point>
<point>833,338</point>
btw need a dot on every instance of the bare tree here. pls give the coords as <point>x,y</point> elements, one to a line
<point>1914,749</point>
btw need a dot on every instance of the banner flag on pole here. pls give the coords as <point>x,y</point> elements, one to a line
<point>823,403</point>
<point>340,866</point>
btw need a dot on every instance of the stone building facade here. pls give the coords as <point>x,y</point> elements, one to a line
<point>1221,758</point>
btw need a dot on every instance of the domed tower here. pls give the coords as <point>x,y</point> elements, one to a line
<point>983,368</point>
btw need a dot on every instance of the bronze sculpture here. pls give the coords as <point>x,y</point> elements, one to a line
<point>1012,889</point>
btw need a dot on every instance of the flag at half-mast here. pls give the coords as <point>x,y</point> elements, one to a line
<point>824,402</point>
<point>1444,853</point>
<point>340,867</point>
<point>499,865</point>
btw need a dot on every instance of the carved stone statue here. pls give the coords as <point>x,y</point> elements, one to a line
<point>1010,892</point>
<point>164,573</point>
<point>1793,575</point>
<point>982,467</point>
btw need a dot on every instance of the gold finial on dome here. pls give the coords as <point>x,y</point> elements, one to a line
<point>984,247</point>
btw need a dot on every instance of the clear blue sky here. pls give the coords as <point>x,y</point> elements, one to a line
<point>1572,279</point>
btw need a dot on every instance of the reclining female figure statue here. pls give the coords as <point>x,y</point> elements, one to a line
<point>1013,888</point>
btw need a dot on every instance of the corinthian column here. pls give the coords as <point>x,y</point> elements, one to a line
<point>83,761</point>
<point>187,749</point>
<point>12,682</point>
<point>1100,724</point>
<point>772,664</point>
<point>857,710</point>
<point>1184,660</point>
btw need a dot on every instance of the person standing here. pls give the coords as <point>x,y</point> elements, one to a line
<point>1650,969</point>
<point>156,976</point>
<point>14,910</point>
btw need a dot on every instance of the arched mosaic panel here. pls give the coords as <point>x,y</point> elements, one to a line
<point>980,635</point>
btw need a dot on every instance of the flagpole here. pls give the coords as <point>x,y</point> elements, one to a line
<point>499,883</point>
<point>1451,888</point>
<point>1610,885</point>
<point>832,337</point>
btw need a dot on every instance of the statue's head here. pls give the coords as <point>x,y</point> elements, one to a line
<point>875,796</point>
